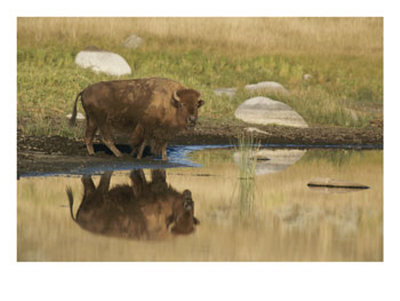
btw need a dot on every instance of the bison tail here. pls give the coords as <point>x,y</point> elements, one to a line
<point>71,201</point>
<point>72,121</point>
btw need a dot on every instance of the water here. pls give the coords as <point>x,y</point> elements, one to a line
<point>266,214</point>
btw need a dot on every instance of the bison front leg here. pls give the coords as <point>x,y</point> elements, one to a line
<point>137,139</point>
<point>158,176</point>
<point>159,148</point>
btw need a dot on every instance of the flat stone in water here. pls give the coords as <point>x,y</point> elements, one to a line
<point>263,110</point>
<point>272,161</point>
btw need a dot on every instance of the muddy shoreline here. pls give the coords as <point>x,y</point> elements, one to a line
<point>41,154</point>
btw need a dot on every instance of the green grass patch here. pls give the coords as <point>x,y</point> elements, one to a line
<point>48,81</point>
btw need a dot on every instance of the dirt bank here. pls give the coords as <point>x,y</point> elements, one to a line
<point>49,154</point>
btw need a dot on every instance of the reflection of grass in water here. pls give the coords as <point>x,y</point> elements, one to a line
<point>247,150</point>
<point>210,157</point>
<point>340,157</point>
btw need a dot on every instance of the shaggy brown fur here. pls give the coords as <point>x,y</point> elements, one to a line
<point>140,211</point>
<point>152,109</point>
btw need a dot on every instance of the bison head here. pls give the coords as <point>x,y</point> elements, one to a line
<point>187,101</point>
<point>182,220</point>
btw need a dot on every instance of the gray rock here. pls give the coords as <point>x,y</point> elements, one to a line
<point>272,161</point>
<point>230,92</point>
<point>263,110</point>
<point>267,87</point>
<point>307,76</point>
<point>133,42</point>
<point>102,61</point>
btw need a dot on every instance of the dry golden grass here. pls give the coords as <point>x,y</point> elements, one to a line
<point>360,36</point>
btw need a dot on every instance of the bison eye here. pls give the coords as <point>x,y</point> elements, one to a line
<point>200,103</point>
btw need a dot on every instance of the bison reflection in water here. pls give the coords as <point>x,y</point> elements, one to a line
<point>142,210</point>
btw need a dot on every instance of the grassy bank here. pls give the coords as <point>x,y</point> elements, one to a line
<point>342,55</point>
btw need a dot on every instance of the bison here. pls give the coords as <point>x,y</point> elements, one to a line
<point>152,110</point>
<point>142,210</point>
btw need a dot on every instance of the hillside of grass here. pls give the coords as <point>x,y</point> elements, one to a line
<point>344,57</point>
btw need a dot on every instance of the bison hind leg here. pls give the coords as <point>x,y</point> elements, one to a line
<point>91,128</point>
<point>109,140</point>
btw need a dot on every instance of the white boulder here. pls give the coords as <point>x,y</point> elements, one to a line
<point>103,61</point>
<point>263,110</point>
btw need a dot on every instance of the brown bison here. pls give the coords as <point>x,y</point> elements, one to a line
<point>152,110</point>
<point>142,210</point>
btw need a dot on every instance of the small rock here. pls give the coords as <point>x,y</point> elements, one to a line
<point>133,42</point>
<point>263,110</point>
<point>102,61</point>
<point>272,161</point>
<point>267,87</point>
<point>230,92</point>
<point>307,76</point>
<point>79,116</point>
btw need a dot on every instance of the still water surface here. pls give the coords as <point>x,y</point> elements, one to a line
<point>273,216</point>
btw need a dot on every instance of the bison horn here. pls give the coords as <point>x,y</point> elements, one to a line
<point>176,97</point>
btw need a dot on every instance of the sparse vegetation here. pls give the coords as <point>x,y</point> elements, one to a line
<point>247,150</point>
<point>343,56</point>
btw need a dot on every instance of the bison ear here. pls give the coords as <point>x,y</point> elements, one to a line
<point>176,100</point>
<point>200,103</point>
<point>196,221</point>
